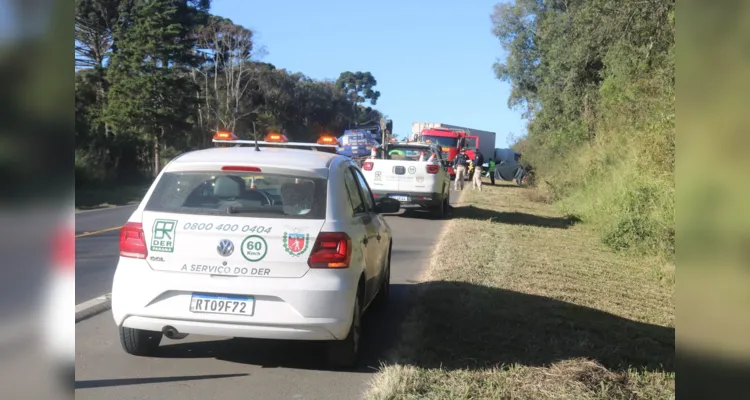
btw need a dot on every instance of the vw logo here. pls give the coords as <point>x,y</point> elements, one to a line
<point>225,248</point>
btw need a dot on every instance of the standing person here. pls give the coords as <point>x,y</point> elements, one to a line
<point>460,164</point>
<point>491,172</point>
<point>478,163</point>
<point>520,172</point>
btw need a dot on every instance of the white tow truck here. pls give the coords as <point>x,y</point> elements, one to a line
<point>413,173</point>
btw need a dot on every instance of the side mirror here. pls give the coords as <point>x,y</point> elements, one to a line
<point>387,205</point>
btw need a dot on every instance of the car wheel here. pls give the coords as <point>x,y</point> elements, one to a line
<point>139,342</point>
<point>440,210</point>
<point>381,299</point>
<point>344,353</point>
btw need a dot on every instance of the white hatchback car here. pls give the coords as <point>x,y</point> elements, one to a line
<point>265,242</point>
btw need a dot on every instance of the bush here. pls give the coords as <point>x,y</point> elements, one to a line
<point>88,172</point>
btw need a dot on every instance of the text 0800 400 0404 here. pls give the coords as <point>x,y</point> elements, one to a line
<point>217,304</point>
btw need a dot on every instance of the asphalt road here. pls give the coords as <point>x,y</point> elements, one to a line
<point>224,368</point>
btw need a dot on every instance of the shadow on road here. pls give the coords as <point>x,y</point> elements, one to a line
<point>467,326</point>
<point>99,383</point>
<point>513,218</point>
<point>417,213</point>
<point>380,333</point>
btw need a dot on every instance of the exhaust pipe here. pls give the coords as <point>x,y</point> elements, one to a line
<point>171,333</point>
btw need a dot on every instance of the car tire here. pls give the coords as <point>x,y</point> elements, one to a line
<point>440,211</point>
<point>381,299</point>
<point>139,342</point>
<point>345,353</point>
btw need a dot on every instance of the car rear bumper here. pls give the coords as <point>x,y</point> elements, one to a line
<point>414,199</point>
<point>317,306</point>
<point>309,329</point>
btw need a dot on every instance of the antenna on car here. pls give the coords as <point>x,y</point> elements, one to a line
<point>257,148</point>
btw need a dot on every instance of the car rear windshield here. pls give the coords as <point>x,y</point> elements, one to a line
<point>242,194</point>
<point>441,140</point>
<point>407,153</point>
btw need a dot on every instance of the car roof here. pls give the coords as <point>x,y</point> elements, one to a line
<point>288,158</point>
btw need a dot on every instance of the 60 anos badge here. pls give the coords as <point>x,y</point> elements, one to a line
<point>254,248</point>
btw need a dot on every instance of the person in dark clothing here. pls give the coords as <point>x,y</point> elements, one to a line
<point>478,162</point>
<point>460,164</point>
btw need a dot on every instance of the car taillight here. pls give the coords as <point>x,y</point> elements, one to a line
<point>331,250</point>
<point>64,250</point>
<point>133,241</point>
<point>239,168</point>
<point>433,169</point>
<point>367,165</point>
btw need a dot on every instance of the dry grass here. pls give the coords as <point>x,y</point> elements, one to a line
<point>520,303</point>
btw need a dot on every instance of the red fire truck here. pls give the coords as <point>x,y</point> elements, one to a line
<point>451,142</point>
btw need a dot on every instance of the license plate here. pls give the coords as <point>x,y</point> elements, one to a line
<point>403,199</point>
<point>218,304</point>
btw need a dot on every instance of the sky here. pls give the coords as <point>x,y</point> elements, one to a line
<point>432,59</point>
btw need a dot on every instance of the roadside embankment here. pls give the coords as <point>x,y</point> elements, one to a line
<point>520,302</point>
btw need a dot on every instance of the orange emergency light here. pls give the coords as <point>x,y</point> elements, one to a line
<point>225,136</point>
<point>328,140</point>
<point>276,138</point>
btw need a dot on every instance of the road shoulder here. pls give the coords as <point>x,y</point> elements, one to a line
<point>520,302</point>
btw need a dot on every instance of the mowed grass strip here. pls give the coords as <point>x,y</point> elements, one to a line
<point>521,303</point>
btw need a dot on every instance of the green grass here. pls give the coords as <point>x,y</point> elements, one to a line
<point>92,198</point>
<point>616,186</point>
<point>527,303</point>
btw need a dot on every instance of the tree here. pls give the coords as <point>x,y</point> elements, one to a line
<point>359,87</point>
<point>226,76</point>
<point>167,74</point>
<point>151,94</point>
<point>94,23</point>
<point>596,81</point>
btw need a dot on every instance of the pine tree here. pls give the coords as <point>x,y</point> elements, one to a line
<point>151,95</point>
